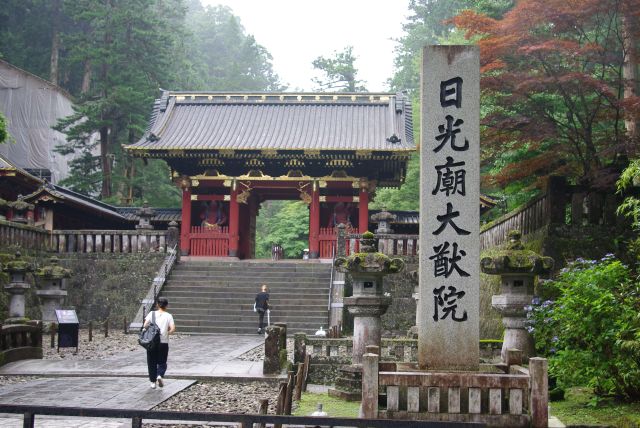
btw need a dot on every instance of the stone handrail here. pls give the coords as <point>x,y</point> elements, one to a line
<point>25,236</point>
<point>158,282</point>
<point>421,394</point>
<point>109,241</point>
<point>20,342</point>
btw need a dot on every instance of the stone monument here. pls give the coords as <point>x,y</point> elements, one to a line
<point>17,287</point>
<point>518,269</point>
<point>449,272</point>
<point>52,284</point>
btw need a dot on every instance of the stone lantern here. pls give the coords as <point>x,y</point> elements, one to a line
<point>367,304</point>
<point>52,284</point>
<point>17,287</point>
<point>518,269</point>
<point>384,218</point>
<point>145,214</point>
<point>20,210</point>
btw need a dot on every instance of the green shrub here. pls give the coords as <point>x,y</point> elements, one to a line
<point>591,332</point>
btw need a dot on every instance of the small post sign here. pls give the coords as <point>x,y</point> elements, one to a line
<point>68,328</point>
<point>449,327</point>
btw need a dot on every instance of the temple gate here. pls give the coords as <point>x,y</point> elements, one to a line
<point>229,152</point>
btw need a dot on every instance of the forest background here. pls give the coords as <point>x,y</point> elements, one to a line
<point>559,88</point>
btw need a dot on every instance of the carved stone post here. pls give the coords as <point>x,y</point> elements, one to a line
<point>52,284</point>
<point>17,287</point>
<point>517,268</point>
<point>172,234</point>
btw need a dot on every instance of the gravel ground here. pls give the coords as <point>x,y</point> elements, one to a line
<point>99,347</point>
<point>9,380</point>
<point>257,353</point>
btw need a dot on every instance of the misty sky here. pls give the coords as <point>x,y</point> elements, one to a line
<point>296,32</point>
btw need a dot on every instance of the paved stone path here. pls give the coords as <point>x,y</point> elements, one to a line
<point>193,357</point>
<point>119,381</point>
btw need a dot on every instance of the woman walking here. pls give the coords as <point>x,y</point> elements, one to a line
<point>261,306</point>
<point>157,358</point>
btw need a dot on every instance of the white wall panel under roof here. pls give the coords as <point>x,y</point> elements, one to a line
<point>32,106</point>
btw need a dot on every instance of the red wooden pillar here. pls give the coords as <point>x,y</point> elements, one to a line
<point>234,222</point>
<point>314,223</point>
<point>363,208</point>
<point>185,225</point>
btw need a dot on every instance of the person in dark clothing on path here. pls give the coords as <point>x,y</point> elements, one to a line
<point>261,306</point>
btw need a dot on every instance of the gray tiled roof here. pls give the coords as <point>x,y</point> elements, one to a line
<point>163,215</point>
<point>279,121</point>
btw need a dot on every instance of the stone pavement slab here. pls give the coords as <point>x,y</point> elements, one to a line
<point>91,392</point>
<point>191,356</point>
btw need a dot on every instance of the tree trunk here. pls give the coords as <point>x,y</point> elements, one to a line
<point>630,72</point>
<point>86,78</point>
<point>55,42</point>
<point>105,162</point>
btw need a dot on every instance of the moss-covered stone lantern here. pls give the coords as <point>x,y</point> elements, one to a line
<point>367,304</point>
<point>20,210</point>
<point>52,289</point>
<point>17,287</point>
<point>518,269</point>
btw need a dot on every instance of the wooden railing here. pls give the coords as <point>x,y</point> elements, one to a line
<point>20,342</point>
<point>527,219</point>
<point>514,398</point>
<point>205,241</point>
<point>327,242</point>
<point>109,241</point>
<point>28,237</point>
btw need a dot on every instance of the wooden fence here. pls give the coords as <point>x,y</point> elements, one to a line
<point>527,219</point>
<point>205,241</point>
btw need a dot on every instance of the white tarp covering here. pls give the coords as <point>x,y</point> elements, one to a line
<point>32,106</point>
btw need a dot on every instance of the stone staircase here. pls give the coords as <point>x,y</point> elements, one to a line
<point>217,296</point>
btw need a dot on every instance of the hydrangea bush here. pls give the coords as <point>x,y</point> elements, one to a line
<point>591,331</point>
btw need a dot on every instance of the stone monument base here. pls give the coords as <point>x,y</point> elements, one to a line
<point>349,384</point>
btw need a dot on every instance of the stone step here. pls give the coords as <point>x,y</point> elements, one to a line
<point>240,330</point>
<point>243,288</point>
<point>292,325</point>
<point>219,303</point>
<point>254,268</point>
<point>242,276</point>
<point>247,309</point>
<point>198,292</point>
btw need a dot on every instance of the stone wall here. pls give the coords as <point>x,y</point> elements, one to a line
<point>101,285</point>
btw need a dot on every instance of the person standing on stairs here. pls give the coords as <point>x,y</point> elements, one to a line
<point>261,306</point>
<point>157,357</point>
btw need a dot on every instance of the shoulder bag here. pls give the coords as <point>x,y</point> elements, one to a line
<point>150,336</point>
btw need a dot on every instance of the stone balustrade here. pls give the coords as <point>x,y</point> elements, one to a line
<point>515,397</point>
<point>23,235</point>
<point>20,342</point>
<point>110,241</point>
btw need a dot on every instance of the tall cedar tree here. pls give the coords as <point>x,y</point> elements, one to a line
<point>124,42</point>
<point>554,71</point>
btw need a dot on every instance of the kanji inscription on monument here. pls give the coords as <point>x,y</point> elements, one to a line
<point>448,327</point>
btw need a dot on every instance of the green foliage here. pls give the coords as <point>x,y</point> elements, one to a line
<point>630,207</point>
<point>334,407</point>
<point>591,331</point>
<point>3,129</point>
<point>407,197</point>
<point>340,72</point>
<point>577,409</point>
<point>285,223</point>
